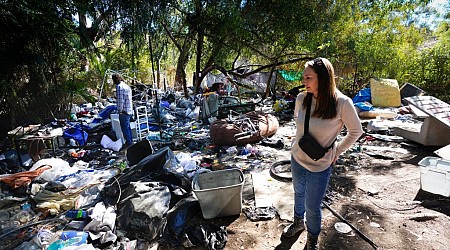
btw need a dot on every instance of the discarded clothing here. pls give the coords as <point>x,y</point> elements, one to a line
<point>23,178</point>
<point>106,142</point>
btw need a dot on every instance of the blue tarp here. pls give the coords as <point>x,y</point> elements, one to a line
<point>78,133</point>
<point>107,111</point>
<point>363,96</point>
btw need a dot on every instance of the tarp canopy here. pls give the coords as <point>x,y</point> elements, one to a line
<point>290,75</point>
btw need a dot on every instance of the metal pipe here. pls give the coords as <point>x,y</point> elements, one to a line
<point>353,227</point>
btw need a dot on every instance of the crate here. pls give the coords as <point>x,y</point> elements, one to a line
<point>435,175</point>
<point>219,192</point>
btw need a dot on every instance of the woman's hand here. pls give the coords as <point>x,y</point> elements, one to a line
<point>335,160</point>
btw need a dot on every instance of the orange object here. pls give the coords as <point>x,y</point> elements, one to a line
<point>23,178</point>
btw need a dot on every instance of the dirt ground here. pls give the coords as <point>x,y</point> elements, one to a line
<point>375,187</point>
<point>377,190</point>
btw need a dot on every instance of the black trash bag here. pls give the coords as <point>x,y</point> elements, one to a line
<point>210,236</point>
<point>260,213</point>
<point>142,210</point>
<point>4,169</point>
<point>55,186</point>
<point>169,98</point>
<point>162,166</point>
<point>177,219</point>
<point>99,154</point>
<point>139,151</point>
<point>97,132</point>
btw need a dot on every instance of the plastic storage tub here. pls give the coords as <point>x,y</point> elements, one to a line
<point>219,192</point>
<point>435,175</point>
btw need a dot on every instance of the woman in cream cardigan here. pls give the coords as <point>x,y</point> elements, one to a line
<point>330,112</point>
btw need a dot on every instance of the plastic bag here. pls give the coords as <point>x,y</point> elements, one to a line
<point>106,142</point>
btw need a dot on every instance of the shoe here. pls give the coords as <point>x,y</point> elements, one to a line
<point>312,242</point>
<point>295,227</point>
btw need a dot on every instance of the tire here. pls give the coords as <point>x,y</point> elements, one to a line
<point>278,170</point>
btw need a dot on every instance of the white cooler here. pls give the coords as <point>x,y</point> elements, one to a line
<point>435,175</point>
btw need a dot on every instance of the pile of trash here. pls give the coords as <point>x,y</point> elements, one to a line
<point>73,187</point>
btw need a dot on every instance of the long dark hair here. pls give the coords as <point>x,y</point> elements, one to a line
<point>117,78</point>
<point>326,96</point>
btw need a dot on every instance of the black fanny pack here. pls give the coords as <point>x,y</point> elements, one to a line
<point>312,148</point>
<point>307,143</point>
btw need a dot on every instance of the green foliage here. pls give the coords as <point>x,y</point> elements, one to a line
<point>34,43</point>
<point>372,39</point>
<point>429,68</point>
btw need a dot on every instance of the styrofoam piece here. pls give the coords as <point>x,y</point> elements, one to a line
<point>375,125</point>
<point>444,152</point>
<point>219,192</point>
<point>435,175</point>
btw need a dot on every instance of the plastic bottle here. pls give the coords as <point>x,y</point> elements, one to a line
<point>25,215</point>
<point>76,214</point>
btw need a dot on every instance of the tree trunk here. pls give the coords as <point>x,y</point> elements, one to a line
<point>267,91</point>
<point>197,76</point>
<point>180,74</point>
<point>152,60</point>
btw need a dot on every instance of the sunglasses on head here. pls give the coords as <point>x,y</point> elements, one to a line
<point>318,61</point>
<point>319,65</point>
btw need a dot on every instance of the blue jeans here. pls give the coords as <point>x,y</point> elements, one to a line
<point>309,188</point>
<point>126,129</point>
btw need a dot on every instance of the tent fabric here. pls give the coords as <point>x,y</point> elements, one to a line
<point>23,178</point>
<point>290,75</point>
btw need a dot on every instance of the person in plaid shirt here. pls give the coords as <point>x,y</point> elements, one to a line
<point>124,108</point>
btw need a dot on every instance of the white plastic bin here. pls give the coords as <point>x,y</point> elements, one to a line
<point>219,192</point>
<point>115,123</point>
<point>435,175</point>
